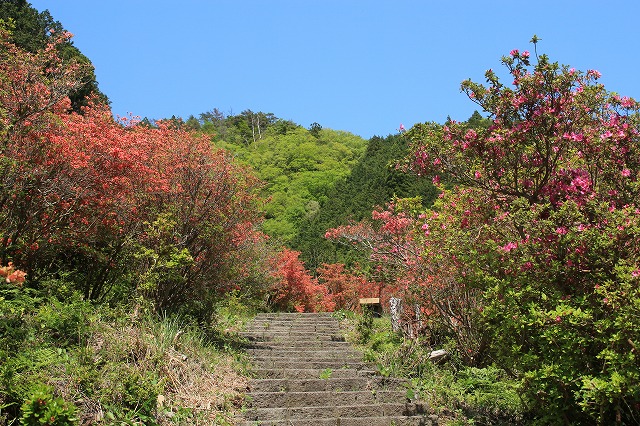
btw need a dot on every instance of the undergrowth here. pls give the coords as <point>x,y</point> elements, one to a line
<point>459,394</point>
<point>70,362</point>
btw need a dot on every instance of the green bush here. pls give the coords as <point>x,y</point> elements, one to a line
<point>63,324</point>
<point>483,395</point>
<point>43,408</point>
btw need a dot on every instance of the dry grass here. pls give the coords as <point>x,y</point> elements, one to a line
<point>167,366</point>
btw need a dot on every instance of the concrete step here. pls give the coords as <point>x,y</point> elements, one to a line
<point>267,356</point>
<point>285,339</point>
<point>324,398</point>
<point>291,327</point>
<point>330,384</point>
<point>301,352</point>
<point>294,315</point>
<point>295,319</point>
<point>282,326</point>
<point>292,344</point>
<point>266,323</point>
<point>311,373</point>
<point>351,421</point>
<point>279,363</point>
<point>297,335</point>
<point>368,410</point>
<point>307,375</point>
<point>270,323</point>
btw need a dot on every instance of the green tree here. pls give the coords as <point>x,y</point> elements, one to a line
<point>314,129</point>
<point>298,168</point>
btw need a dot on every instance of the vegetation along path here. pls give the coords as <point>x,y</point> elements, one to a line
<point>307,374</point>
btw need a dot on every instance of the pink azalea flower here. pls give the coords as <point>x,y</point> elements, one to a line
<point>509,246</point>
<point>594,73</point>
<point>626,102</point>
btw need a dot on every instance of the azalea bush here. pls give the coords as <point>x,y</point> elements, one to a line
<point>409,253</point>
<point>543,229</point>
<point>528,259</point>
<point>391,245</point>
<point>345,288</point>
<point>294,289</point>
<point>94,209</point>
<point>118,208</point>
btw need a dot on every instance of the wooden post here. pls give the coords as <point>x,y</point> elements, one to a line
<point>395,306</point>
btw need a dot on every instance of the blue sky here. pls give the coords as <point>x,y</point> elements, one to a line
<point>363,66</point>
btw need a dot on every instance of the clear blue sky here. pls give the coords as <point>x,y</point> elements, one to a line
<point>363,66</point>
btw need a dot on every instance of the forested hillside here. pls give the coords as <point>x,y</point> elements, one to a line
<point>299,166</point>
<point>315,179</point>
<point>373,181</point>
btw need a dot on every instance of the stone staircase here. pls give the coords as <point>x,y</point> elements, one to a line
<point>307,375</point>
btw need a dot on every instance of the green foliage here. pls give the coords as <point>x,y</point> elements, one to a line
<point>113,364</point>
<point>234,311</point>
<point>35,334</point>
<point>300,170</point>
<point>63,323</point>
<point>326,374</point>
<point>315,129</point>
<point>15,306</point>
<point>365,326</point>
<point>164,264</point>
<point>116,371</point>
<point>466,395</point>
<point>574,345</point>
<point>373,181</point>
<point>30,28</point>
<point>43,408</point>
<point>299,166</point>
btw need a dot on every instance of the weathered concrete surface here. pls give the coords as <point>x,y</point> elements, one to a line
<point>307,375</point>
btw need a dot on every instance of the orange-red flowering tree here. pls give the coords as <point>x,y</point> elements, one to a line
<point>154,211</point>
<point>295,289</point>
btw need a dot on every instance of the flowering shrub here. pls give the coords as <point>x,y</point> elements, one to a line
<point>345,288</point>
<point>543,229</point>
<point>392,247</point>
<point>155,211</point>
<point>410,255</point>
<point>295,289</point>
<point>12,275</point>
